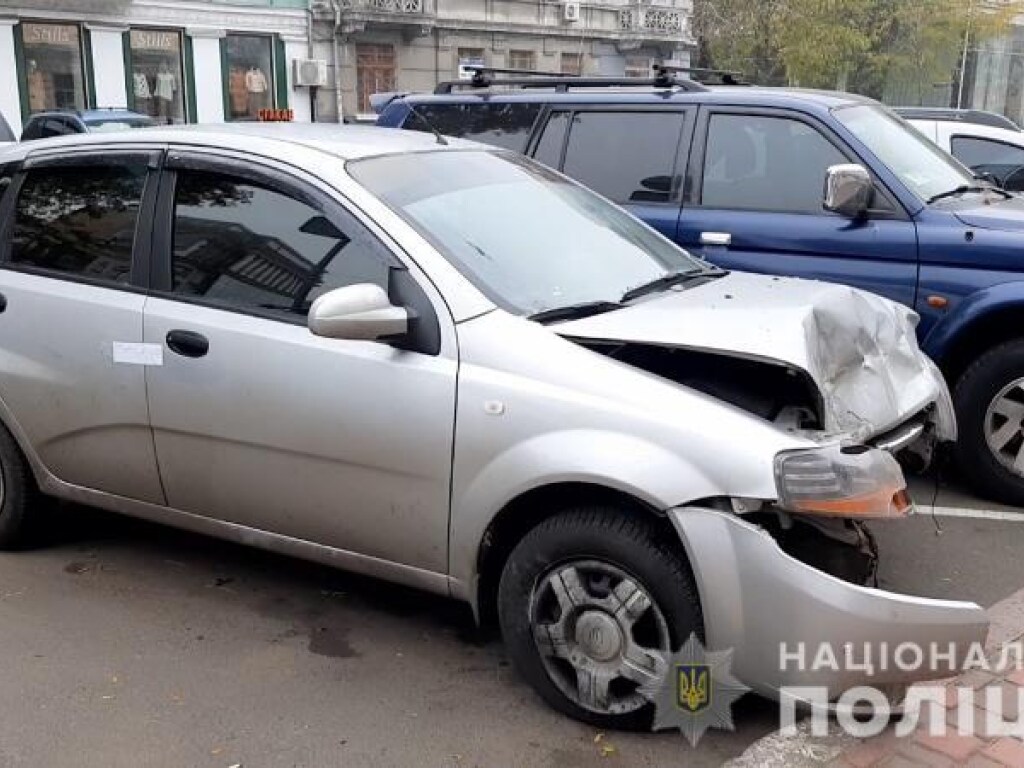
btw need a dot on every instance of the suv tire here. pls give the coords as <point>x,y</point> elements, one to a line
<point>614,587</point>
<point>986,389</point>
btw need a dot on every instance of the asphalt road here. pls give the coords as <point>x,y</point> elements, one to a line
<point>127,644</point>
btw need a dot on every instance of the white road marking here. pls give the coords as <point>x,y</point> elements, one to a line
<point>974,514</point>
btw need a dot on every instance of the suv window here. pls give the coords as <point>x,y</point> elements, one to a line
<point>1004,161</point>
<point>243,245</point>
<point>80,219</point>
<point>500,125</point>
<point>45,127</point>
<point>765,164</point>
<point>629,157</point>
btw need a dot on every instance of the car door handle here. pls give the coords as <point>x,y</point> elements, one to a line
<point>188,343</point>
<point>715,238</point>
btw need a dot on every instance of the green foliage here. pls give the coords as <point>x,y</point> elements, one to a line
<point>855,45</point>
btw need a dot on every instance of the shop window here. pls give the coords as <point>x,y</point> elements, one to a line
<point>375,72</point>
<point>156,74</point>
<point>52,63</point>
<point>522,60</point>
<point>571,64</point>
<point>249,68</point>
<point>638,66</point>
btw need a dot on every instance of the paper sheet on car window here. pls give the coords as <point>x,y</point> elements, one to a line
<point>134,353</point>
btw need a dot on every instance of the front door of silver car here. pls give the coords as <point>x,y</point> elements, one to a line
<point>72,317</point>
<point>259,422</point>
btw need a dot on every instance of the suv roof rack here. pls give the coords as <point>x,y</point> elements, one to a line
<point>725,76</point>
<point>951,114</point>
<point>483,77</point>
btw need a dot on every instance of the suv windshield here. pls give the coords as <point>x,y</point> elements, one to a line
<point>922,166</point>
<point>528,238</point>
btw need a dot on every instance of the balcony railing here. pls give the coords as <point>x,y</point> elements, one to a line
<point>412,7</point>
<point>661,21</point>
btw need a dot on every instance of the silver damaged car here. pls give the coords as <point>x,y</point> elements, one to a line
<point>447,366</point>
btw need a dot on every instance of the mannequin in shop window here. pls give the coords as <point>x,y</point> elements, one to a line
<point>164,91</point>
<point>256,86</point>
<point>143,93</point>
<point>237,92</point>
<point>40,89</point>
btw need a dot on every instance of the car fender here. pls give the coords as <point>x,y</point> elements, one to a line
<point>648,472</point>
<point>944,336</point>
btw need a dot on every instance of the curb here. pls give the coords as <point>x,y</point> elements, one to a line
<point>802,750</point>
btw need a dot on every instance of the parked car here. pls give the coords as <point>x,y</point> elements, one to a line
<point>451,367</point>
<point>61,122</point>
<point>735,175</point>
<point>992,148</point>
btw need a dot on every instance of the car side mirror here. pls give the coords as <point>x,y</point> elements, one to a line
<point>848,190</point>
<point>357,312</point>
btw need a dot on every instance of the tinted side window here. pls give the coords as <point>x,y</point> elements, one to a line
<point>250,247</point>
<point>79,220</point>
<point>765,164</point>
<point>1004,161</point>
<point>32,130</point>
<point>501,125</point>
<point>628,157</point>
<point>549,147</point>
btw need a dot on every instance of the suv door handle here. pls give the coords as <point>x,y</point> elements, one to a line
<point>188,343</point>
<point>715,238</point>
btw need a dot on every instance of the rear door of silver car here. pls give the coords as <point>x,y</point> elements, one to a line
<point>72,290</point>
<point>256,420</point>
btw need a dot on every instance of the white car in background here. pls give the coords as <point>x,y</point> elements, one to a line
<point>989,144</point>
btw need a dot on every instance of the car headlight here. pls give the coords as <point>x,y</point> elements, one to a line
<point>834,481</point>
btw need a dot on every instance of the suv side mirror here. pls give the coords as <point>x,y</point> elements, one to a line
<point>357,312</point>
<point>848,190</point>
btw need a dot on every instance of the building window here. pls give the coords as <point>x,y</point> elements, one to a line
<point>638,66</point>
<point>249,69</point>
<point>375,72</point>
<point>522,60</point>
<point>571,64</point>
<point>52,60</point>
<point>470,57</point>
<point>157,74</point>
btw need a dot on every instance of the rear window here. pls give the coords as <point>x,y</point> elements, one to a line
<point>106,126</point>
<point>500,125</point>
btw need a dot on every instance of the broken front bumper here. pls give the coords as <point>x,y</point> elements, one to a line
<point>777,613</point>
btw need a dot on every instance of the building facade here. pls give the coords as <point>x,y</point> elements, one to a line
<point>178,61</point>
<point>411,45</point>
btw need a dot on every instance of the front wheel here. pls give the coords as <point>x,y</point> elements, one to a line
<point>989,400</point>
<point>589,602</point>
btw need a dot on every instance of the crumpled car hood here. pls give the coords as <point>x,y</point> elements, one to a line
<point>858,348</point>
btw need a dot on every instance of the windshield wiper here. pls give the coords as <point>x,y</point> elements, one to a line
<point>964,189</point>
<point>574,311</point>
<point>668,280</point>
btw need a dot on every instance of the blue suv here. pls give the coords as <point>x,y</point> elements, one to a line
<point>808,183</point>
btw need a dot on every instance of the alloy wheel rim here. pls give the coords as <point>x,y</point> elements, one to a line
<point>1004,427</point>
<point>600,635</point>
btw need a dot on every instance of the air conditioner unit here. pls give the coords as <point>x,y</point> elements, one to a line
<point>572,11</point>
<point>309,73</point>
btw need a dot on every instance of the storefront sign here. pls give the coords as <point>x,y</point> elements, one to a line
<point>277,115</point>
<point>154,40</point>
<point>50,34</point>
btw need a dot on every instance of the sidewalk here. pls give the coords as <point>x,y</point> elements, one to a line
<point>803,750</point>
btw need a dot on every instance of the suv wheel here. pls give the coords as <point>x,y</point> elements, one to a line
<point>989,400</point>
<point>589,602</point>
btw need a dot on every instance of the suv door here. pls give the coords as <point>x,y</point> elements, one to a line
<point>73,245</point>
<point>754,202</point>
<point>633,155</point>
<point>261,423</point>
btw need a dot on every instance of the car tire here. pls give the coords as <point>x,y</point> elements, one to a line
<point>18,494</point>
<point>600,545</point>
<point>976,398</point>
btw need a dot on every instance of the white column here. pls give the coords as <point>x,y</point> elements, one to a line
<point>208,78</point>
<point>10,100</point>
<point>108,65</point>
<point>298,98</point>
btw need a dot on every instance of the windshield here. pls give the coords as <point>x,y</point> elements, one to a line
<point>529,239</point>
<point>920,165</point>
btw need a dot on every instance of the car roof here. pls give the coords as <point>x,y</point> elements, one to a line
<point>91,115</point>
<point>949,114</point>
<point>640,94</point>
<point>348,142</point>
